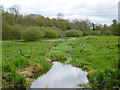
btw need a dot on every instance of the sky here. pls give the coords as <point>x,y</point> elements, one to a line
<point>97,11</point>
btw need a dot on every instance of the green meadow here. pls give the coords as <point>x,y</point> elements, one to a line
<point>32,42</point>
<point>97,53</point>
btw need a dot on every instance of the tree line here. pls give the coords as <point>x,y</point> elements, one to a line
<point>18,26</point>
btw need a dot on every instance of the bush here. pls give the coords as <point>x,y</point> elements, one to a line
<point>87,32</point>
<point>80,32</point>
<point>96,33</point>
<point>106,32</point>
<point>72,33</point>
<point>16,31</point>
<point>6,31</point>
<point>50,33</point>
<point>31,33</point>
<point>59,31</point>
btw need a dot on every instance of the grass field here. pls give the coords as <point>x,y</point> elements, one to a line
<point>97,53</point>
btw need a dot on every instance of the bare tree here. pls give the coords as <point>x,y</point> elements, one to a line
<point>60,16</point>
<point>15,10</point>
<point>93,26</point>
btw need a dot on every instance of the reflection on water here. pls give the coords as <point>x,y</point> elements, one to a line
<point>61,76</point>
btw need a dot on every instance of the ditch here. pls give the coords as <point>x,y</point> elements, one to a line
<point>61,76</point>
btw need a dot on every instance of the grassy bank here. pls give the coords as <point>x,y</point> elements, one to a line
<point>17,70</point>
<point>98,54</point>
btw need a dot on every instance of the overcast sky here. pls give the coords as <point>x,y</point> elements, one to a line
<point>98,11</point>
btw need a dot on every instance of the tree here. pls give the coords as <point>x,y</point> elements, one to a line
<point>8,18</point>
<point>63,26</point>
<point>105,30</point>
<point>114,28</point>
<point>60,16</point>
<point>14,10</point>
<point>81,24</point>
<point>93,26</point>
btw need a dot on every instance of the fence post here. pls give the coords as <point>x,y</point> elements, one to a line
<point>21,54</point>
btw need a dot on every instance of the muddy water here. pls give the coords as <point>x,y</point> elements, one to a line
<point>61,76</point>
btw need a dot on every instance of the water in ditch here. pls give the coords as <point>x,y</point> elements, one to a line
<point>61,76</point>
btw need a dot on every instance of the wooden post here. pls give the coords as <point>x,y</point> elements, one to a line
<point>21,54</point>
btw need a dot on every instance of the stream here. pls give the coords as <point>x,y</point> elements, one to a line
<point>61,76</point>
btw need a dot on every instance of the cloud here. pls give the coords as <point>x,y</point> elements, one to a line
<point>99,11</point>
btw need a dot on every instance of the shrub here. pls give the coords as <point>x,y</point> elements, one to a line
<point>16,31</point>
<point>43,29</point>
<point>6,31</point>
<point>50,33</point>
<point>106,32</point>
<point>87,32</point>
<point>31,33</point>
<point>80,32</point>
<point>72,33</point>
<point>96,33</point>
<point>59,31</point>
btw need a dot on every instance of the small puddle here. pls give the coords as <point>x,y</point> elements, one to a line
<point>61,76</point>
